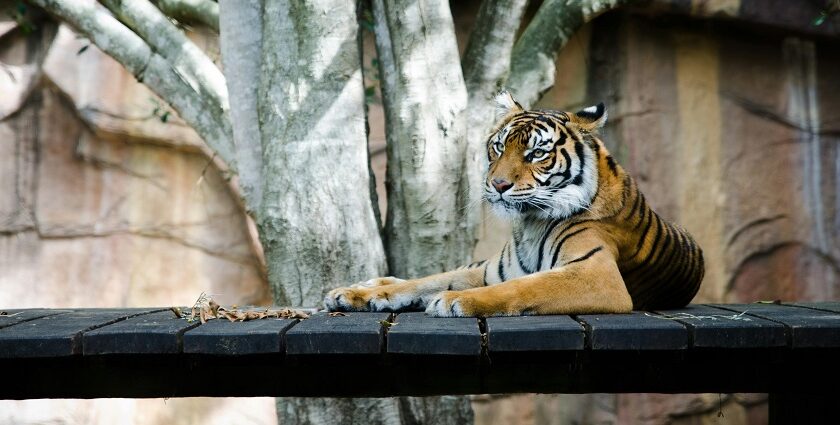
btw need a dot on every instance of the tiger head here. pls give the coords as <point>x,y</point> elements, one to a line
<point>542,162</point>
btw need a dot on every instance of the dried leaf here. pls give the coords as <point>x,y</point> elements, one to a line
<point>176,310</point>
<point>336,314</point>
<point>214,307</point>
<point>203,316</point>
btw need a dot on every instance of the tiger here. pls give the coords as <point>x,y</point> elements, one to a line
<point>584,239</point>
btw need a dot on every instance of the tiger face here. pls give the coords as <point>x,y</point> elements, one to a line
<point>542,162</point>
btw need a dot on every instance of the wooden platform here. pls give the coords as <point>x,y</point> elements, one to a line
<point>86,353</point>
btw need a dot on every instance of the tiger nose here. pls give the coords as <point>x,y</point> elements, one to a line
<point>501,185</point>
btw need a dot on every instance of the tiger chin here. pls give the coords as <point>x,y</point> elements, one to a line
<point>584,239</point>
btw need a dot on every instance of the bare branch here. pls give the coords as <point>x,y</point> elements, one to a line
<point>487,58</point>
<point>425,103</point>
<point>205,12</point>
<point>241,43</point>
<point>532,64</point>
<point>166,39</point>
<point>486,63</point>
<point>148,67</point>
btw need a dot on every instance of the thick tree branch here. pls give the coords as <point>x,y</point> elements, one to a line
<point>485,63</point>
<point>487,57</point>
<point>316,219</point>
<point>241,44</point>
<point>425,101</point>
<point>532,63</point>
<point>148,67</point>
<point>166,39</point>
<point>205,12</point>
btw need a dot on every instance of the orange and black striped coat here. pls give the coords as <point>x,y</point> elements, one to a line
<point>584,238</point>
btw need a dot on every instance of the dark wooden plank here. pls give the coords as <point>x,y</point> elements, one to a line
<point>58,335</point>
<point>534,333</point>
<point>832,306</point>
<point>226,338</point>
<point>353,333</point>
<point>807,328</point>
<point>715,328</point>
<point>158,333</point>
<point>11,317</point>
<point>634,331</point>
<point>417,333</point>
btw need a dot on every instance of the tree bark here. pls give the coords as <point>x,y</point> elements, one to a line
<point>424,98</point>
<point>485,63</point>
<point>241,46</point>
<point>535,53</point>
<point>316,220</point>
<point>148,67</point>
<point>205,12</point>
<point>188,60</point>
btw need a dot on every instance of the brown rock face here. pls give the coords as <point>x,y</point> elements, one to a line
<point>103,204</point>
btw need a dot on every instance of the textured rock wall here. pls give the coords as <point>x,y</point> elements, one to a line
<point>102,204</point>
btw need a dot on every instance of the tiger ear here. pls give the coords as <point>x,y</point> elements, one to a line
<point>591,118</point>
<point>506,105</point>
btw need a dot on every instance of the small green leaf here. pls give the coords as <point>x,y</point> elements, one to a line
<point>819,19</point>
<point>82,50</point>
<point>164,117</point>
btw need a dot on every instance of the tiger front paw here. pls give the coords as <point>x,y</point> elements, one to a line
<point>372,295</point>
<point>448,304</point>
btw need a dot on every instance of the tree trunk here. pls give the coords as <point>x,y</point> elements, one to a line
<point>424,98</point>
<point>316,220</point>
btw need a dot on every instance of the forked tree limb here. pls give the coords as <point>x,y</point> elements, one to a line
<point>147,21</point>
<point>150,68</point>
<point>535,53</point>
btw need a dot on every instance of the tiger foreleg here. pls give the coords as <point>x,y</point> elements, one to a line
<point>392,294</point>
<point>587,287</point>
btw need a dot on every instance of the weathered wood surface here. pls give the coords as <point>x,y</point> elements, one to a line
<point>416,333</point>
<point>711,327</point>
<point>349,334</point>
<point>540,333</point>
<point>225,338</point>
<point>151,353</point>
<point>635,331</point>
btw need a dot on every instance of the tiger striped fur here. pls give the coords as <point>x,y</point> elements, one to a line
<point>584,238</point>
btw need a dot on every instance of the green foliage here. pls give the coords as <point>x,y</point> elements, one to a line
<point>160,111</point>
<point>22,16</point>
<point>832,7</point>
